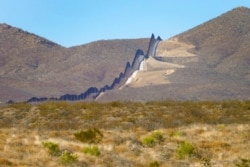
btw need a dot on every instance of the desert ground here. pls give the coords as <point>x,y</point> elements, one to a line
<point>158,133</point>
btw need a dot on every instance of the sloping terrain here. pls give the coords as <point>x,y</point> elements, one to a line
<point>210,61</point>
<point>33,66</point>
<point>131,68</point>
<point>222,43</point>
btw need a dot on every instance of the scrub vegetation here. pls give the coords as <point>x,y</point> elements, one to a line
<point>155,133</point>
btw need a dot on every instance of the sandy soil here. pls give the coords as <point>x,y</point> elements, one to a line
<point>156,72</point>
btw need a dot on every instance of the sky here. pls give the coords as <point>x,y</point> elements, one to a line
<point>76,22</point>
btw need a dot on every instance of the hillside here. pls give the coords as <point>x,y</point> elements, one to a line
<point>222,43</point>
<point>34,66</point>
<point>210,61</point>
<point>186,103</point>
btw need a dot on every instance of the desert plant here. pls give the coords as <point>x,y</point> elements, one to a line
<point>52,148</point>
<point>154,164</point>
<point>158,136</point>
<point>89,136</point>
<point>176,134</point>
<point>67,157</point>
<point>185,150</point>
<point>205,162</point>
<point>116,104</point>
<point>153,139</point>
<point>243,163</point>
<point>23,107</point>
<point>220,127</point>
<point>92,151</point>
<point>149,141</point>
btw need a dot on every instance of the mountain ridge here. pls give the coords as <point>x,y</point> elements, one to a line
<point>208,62</point>
<point>93,93</point>
<point>29,68</point>
<point>214,58</point>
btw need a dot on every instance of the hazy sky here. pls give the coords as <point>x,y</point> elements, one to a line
<point>75,22</point>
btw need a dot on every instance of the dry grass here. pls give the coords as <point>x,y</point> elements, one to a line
<point>219,132</point>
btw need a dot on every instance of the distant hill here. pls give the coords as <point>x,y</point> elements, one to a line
<point>209,62</point>
<point>34,66</point>
<point>223,43</point>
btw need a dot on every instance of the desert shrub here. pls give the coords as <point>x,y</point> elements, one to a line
<point>76,106</point>
<point>243,163</point>
<point>204,156</point>
<point>52,148</point>
<point>89,136</point>
<point>152,139</point>
<point>162,103</point>
<point>176,134</point>
<point>92,151</point>
<point>5,162</point>
<point>158,136</point>
<point>149,141</point>
<point>48,107</point>
<point>220,127</point>
<point>116,104</point>
<point>154,164</point>
<point>67,157</point>
<point>185,150</point>
<point>205,162</point>
<point>24,107</point>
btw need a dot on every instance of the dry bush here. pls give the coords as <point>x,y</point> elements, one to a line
<point>216,129</point>
<point>89,136</point>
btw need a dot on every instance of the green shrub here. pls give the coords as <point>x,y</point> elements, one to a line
<point>67,157</point>
<point>89,136</point>
<point>92,151</point>
<point>243,163</point>
<point>52,148</point>
<point>220,127</point>
<point>176,134</point>
<point>149,141</point>
<point>154,164</point>
<point>158,136</point>
<point>185,150</point>
<point>153,139</point>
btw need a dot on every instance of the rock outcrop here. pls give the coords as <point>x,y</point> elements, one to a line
<point>93,92</point>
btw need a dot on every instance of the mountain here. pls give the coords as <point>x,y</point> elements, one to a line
<point>93,93</point>
<point>208,62</point>
<point>34,66</point>
<point>225,40</point>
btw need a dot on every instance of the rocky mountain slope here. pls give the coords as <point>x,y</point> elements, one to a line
<point>210,61</point>
<point>124,77</point>
<point>33,66</point>
<point>223,43</point>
